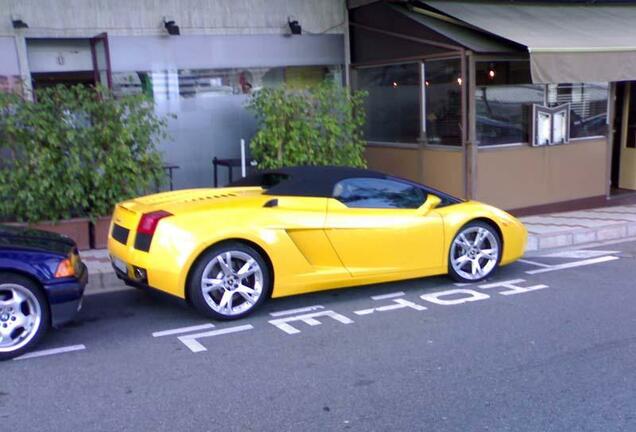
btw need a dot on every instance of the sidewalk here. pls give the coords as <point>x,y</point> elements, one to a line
<point>545,232</point>
<point>558,230</point>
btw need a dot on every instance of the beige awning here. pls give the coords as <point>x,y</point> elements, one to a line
<point>567,43</point>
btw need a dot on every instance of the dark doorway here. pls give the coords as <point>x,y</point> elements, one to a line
<point>624,139</point>
<point>51,79</point>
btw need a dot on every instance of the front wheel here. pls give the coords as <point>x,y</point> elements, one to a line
<point>229,281</point>
<point>474,253</point>
<point>24,315</point>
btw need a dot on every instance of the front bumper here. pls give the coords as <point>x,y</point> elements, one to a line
<point>65,297</point>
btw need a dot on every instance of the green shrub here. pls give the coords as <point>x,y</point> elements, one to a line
<point>318,126</point>
<point>75,152</point>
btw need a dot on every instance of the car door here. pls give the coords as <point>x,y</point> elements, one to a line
<point>375,227</point>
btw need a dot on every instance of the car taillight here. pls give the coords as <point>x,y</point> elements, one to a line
<point>149,221</point>
<point>65,269</point>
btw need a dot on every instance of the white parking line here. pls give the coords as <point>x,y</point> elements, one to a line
<point>574,264</point>
<point>534,263</point>
<point>53,351</point>
<point>195,346</point>
<point>580,254</point>
<point>295,311</point>
<point>182,330</point>
<point>388,296</point>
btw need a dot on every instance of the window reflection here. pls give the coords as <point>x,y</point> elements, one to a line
<point>393,103</point>
<point>443,82</point>
<point>503,112</point>
<point>588,107</point>
<point>378,193</point>
<point>209,107</point>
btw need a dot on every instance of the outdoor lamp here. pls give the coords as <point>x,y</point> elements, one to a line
<point>294,26</point>
<point>19,24</point>
<point>171,27</point>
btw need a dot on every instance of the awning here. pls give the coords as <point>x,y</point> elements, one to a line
<point>567,43</point>
<point>464,36</point>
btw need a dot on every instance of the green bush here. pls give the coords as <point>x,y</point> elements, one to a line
<point>318,126</point>
<point>75,152</point>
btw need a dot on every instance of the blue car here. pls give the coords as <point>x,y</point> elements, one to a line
<point>42,281</point>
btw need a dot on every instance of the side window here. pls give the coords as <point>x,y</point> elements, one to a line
<point>378,193</point>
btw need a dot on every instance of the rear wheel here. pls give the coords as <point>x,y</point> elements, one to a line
<point>229,281</point>
<point>474,253</point>
<point>24,315</point>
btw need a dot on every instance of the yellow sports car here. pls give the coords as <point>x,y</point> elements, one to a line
<point>303,229</point>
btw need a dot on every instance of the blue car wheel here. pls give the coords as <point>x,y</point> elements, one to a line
<point>24,315</point>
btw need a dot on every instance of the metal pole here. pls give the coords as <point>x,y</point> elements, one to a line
<point>243,167</point>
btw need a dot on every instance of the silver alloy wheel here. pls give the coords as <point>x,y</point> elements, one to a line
<point>20,317</point>
<point>474,253</point>
<point>232,283</point>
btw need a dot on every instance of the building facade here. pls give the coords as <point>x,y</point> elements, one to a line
<point>528,106</point>
<point>202,77</point>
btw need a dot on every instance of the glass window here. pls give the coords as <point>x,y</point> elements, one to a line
<point>443,82</point>
<point>503,112</point>
<point>588,107</point>
<point>393,102</point>
<point>210,118</point>
<point>378,193</point>
<point>504,97</point>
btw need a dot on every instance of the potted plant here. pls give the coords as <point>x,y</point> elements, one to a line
<point>321,125</point>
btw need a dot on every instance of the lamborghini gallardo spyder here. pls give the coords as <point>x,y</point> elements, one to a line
<point>297,230</point>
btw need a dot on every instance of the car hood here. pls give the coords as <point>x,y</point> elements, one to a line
<point>12,237</point>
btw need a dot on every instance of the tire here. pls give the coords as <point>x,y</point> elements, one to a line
<point>471,259</point>
<point>24,315</point>
<point>225,294</point>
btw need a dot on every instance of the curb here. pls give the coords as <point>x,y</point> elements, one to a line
<point>580,237</point>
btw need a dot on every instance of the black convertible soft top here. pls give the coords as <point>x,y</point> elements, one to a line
<point>317,181</point>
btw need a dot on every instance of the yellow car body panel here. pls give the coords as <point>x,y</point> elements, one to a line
<point>311,243</point>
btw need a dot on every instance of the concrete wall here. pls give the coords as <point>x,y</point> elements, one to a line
<point>438,168</point>
<point>517,177</point>
<point>84,18</point>
<point>9,63</point>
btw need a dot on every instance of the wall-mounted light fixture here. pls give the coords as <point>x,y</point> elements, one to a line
<point>18,23</point>
<point>171,27</point>
<point>294,26</point>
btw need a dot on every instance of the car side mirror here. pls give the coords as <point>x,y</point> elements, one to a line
<point>432,201</point>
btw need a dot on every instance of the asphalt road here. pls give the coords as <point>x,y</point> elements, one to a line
<point>558,357</point>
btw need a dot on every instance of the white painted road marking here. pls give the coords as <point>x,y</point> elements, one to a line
<point>388,296</point>
<point>295,311</point>
<point>309,319</point>
<point>512,286</point>
<point>580,254</point>
<point>534,263</point>
<point>182,330</point>
<point>574,264</point>
<point>195,346</point>
<point>469,296</point>
<point>52,351</point>
<point>397,304</point>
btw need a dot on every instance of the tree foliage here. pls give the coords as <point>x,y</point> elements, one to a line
<point>318,126</point>
<point>75,152</point>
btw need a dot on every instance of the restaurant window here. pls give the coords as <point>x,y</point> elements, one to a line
<point>392,104</point>
<point>443,89</point>
<point>588,107</point>
<point>504,97</point>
